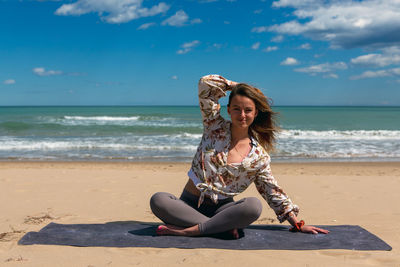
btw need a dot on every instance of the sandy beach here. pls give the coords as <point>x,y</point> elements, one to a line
<point>33,194</point>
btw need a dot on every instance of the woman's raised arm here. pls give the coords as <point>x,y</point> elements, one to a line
<point>211,89</point>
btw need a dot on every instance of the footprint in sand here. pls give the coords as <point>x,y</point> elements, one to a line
<point>265,219</point>
<point>44,216</point>
<point>38,219</point>
<point>15,259</point>
<point>10,236</point>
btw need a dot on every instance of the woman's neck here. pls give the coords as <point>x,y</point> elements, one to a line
<point>238,134</point>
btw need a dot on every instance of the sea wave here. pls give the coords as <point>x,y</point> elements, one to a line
<point>341,135</point>
<point>100,118</point>
<point>292,144</point>
<point>180,142</point>
<point>148,121</point>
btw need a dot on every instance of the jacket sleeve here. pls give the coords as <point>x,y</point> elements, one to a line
<point>211,89</point>
<point>269,189</point>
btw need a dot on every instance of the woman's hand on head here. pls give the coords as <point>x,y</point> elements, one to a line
<point>220,79</point>
<point>233,84</point>
<point>313,230</point>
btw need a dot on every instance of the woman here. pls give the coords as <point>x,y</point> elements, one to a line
<point>231,155</point>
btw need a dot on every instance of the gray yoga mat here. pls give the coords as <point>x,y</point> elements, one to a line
<point>140,234</point>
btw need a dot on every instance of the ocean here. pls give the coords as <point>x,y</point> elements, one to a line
<point>172,133</point>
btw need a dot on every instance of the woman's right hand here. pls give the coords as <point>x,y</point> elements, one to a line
<point>229,84</point>
<point>313,230</point>
<point>232,83</point>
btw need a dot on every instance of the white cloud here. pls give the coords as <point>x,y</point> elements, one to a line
<point>323,68</point>
<point>270,49</point>
<point>305,46</point>
<point>277,39</point>
<point>9,81</point>
<point>112,11</point>
<point>257,11</point>
<point>331,75</point>
<point>187,47</point>
<point>290,61</point>
<point>196,21</point>
<point>260,29</point>
<point>388,57</point>
<point>346,24</point>
<point>178,19</point>
<point>371,74</point>
<point>43,72</point>
<point>217,46</point>
<point>174,77</point>
<point>294,3</point>
<point>377,74</point>
<point>146,26</point>
<point>255,46</point>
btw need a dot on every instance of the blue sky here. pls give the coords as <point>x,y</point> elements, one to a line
<point>133,52</point>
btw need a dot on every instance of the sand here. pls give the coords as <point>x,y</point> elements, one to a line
<point>33,194</point>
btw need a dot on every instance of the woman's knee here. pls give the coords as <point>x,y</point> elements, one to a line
<point>252,208</point>
<point>157,201</point>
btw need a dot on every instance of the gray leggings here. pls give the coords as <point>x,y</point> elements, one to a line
<point>212,218</point>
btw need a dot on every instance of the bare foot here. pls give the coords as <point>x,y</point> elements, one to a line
<point>176,230</point>
<point>169,229</point>
<point>235,233</point>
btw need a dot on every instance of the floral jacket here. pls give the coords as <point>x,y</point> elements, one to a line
<point>210,161</point>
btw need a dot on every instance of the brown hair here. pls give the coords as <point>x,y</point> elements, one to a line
<point>264,127</point>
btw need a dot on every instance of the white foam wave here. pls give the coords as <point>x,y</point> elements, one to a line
<point>293,144</point>
<point>152,143</point>
<point>96,120</point>
<point>101,118</point>
<point>187,135</point>
<point>60,145</point>
<point>146,121</point>
<point>340,135</point>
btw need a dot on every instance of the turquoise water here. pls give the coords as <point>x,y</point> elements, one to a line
<point>171,133</point>
<point>340,118</point>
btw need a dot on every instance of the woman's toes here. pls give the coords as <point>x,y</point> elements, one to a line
<point>235,233</point>
<point>161,229</point>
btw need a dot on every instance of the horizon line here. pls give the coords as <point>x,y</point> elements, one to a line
<point>147,105</point>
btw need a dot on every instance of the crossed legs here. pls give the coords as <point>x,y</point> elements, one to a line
<point>182,218</point>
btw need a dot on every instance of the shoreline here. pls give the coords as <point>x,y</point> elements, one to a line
<point>188,161</point>
<point>278,168</point>
<point>107,162</point>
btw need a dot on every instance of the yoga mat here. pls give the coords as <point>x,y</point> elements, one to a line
<point>139,234</point>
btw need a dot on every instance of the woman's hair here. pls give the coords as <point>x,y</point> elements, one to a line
<point>264,127</point>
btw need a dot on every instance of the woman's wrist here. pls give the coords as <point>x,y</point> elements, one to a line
<point>297,226</point>
<point>292,219</point>
<point>232,84</point>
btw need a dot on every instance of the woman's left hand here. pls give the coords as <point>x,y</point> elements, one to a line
<point>313,230</point>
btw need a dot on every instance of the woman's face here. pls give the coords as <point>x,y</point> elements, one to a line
<point>242,111</point>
